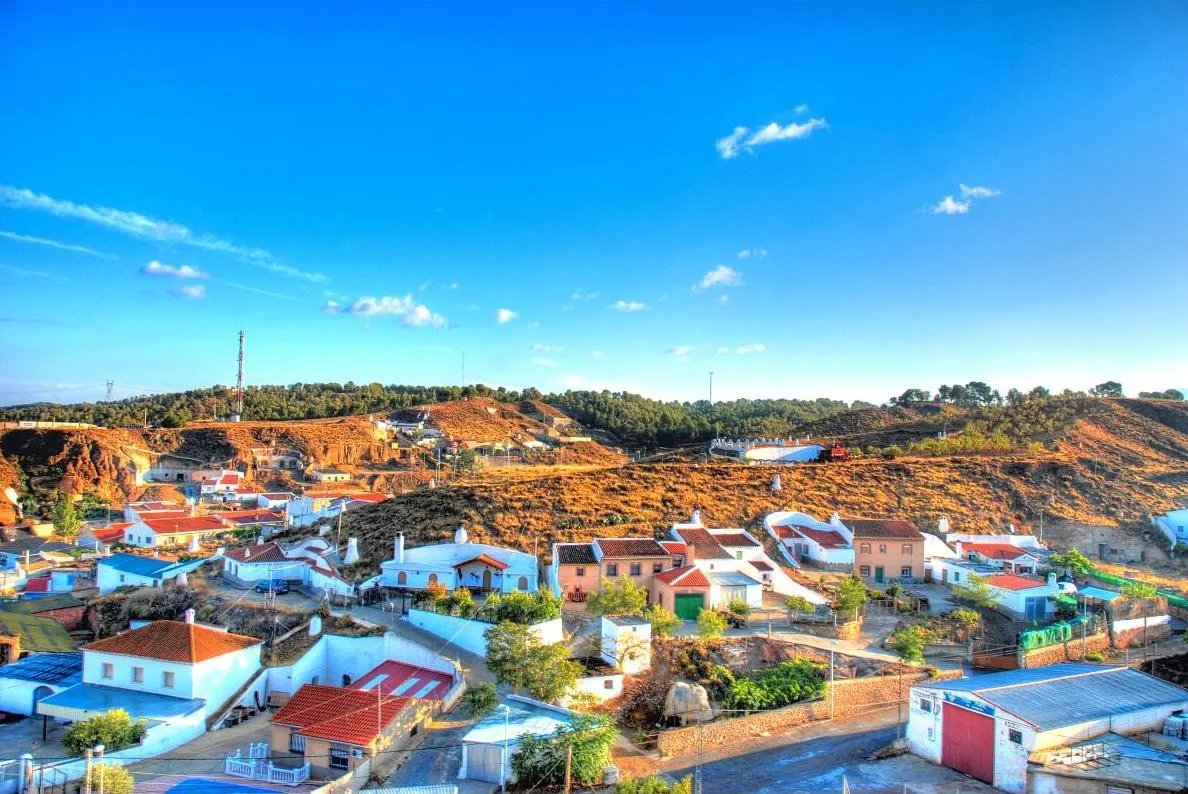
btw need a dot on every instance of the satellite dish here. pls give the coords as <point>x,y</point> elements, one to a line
<point>12,495</point>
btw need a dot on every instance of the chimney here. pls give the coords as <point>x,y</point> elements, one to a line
<point>193,545</point>
<point>190,616</point>
<point>352,552</point>
<point>942,526</point>
<point>399,554</point>
<point>247,553</point>
<point>835,518</point>
<point>957,547</point>
<point>1051,580</point>
<point>776,485</point>
<point>315,625</point>
<point>696,518</point>
<point>183,580</point>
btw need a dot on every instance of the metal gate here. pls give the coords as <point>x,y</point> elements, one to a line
<point>483,762</point>
<point>967,742</point>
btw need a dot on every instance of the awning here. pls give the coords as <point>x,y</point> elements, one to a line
<point>82,701</point>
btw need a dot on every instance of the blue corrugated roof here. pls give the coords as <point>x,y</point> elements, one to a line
<point>134,563</point>
<point>62,669</point>
<point>97,698</point>
<point>1100,593</point>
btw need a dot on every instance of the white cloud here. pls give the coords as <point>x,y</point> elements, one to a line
<point>453,285</point>
<point>744,350</point>
<point>742,139</point>
<point>728,146</point>
<point>332,307</point>
<point>978,192</point>
<point>629,306</point>
<point>156,268</point>
<point>723,299</point>
<point>800,110</point>
<point>542,361</point>
<point>24,238</point>
<point>532,326</point>
<point>192,292</point>
<point>720,350</point>
<point>583,295</point>
<point>758,253</point>
<point>720,276</point>
<point>414,314</point>
<point>680,351</point>
<point>597,354</point>
<point>142,226</point>
<point>546,348</point>
<point>950,206</point>
<point>505,316</point>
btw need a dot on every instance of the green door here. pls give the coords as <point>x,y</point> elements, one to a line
<point>689,605</point>
<point>878,574</point>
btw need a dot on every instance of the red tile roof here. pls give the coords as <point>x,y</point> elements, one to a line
<point>761,565</point>
<point>172,526</point>
<point>826,539</point>
<point>689,576</point>
<point>785,532</point>
<point>485,560</point>
<point>110,534</point>
<point>38,585</point>
<point>882,528</point>
<point>338,714</point>
<point>994,551</point>
<point>366,496</point>
<point>705,546</point>
<point>261,552</point>
<point>173,641</point>
<point>675,547</point>
<point>1009,581</point>
<point>158,515</point>
<point>275,496</point>
<point>241,517</point>
<point>229,479</point>
<point>576,554</point>
<point>734,539</point>
<point>408,678</point>
<point>630,547</point>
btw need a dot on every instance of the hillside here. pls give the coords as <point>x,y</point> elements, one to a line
<point>1116,466</point>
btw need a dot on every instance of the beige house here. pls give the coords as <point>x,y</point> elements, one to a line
<point>886,549</point>
<point>581,567</point>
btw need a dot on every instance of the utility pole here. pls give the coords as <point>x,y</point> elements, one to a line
<point>110,386</point>
<point>86,786</point>
<point>102,770</point>
<point>697,768</point>
<point>711,390</point>
<point>239,380</point>
<point>568,767</point>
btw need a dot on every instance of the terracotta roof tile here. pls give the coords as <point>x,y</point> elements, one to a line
<point>338,714</point>
<point>630,547</point>
<point>242,517</point>
<point>485,559</point>
<point>1009,581</point>
<point>734,539</point>
<point>761,565</point>
<point>689,576</point>
<point>995,551</point>
<point>171,526</point>
<point>576,554</point>
<point>173,641</point>
<point>826,539</point>
<point>882,528</point>
<point>260,552</point>
<point>705,546</point>
<point>675,547</point>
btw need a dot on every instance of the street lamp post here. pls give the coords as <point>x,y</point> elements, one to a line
<point>503,750</point>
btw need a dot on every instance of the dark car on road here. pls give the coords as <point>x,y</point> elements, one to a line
<point>278,586</point>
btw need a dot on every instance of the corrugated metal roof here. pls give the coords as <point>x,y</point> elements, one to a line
<point>1068,694</point>
<point>63,669</point>
<point>1100,593</point>
<point>731,579</point>
<point>441,788</point>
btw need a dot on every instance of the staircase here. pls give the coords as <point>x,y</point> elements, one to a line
<point>231,702</point>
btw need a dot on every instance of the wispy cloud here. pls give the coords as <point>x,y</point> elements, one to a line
<point>583,295</point>
<point>144,227</point>
<point>546,348</point>
<point>25,273</point>
<point>81,249</point>
<point>255,290</point>
<point>543,362</point>
<point>950,206</point>
<point>800,110</point>
<point>332,307</point>
<point>629,306</point>
<point>720,276</point>
<point>680,352</point>
<point>413,313</point>
<point>453,285</point>
<point>162,270</point>
<point>743,139</point>
<point>978,192</point>
<point>724,298</point>
<point>194,292</point>
<point>505,316</point>
<point>742,350</point>
<point>758,253</point>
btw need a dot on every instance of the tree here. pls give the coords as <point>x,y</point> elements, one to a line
<point>975,592</point>
<point>1071,560</point>
<point>517,657</point>
<point>540,760</point>
<point>66,519</point>
<point>1111,388</point>
<point>968,618</point>
<point>798,605</point>
<point>624,597</point>
<point>113,729</point>
<point>912,396</point>
<point>112,779</point>
<point>480,699</point>
<point>1015,397</point>
<point>664,621</point>
<point>851,595</point>
<point>710,623</point>
<point>909,642</point>
<point>739,607</point>
<point>1167,394</point>
<point>467,462</point>
<point>1039,393</point>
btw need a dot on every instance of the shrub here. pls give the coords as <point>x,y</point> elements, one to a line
<point>739,607</point>
<point>523,608</point>
<point>909,642</point>
<point>540,761</point>
<point>1094,656</point>
<point>655,785</point>
<point>113,729</point>
<point>623,597</point>
<point>664,621</point>
<point>112,779</point>
<point>459,603</point>
<point>710,623</point>
<point>518,658</point>
<point>799,605</point>
<point>851,595</point>
<point>480,700</point>
<point>966,617</point>
<point>786,683</point>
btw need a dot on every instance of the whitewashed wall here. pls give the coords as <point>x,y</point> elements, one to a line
<point>468,634</point>
<point>217,679</point>
<point>332,657</point>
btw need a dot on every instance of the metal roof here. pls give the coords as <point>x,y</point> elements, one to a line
<point>523,717</point>
<point>1068,694</point>
<point>731,578</point>
<point>63,669</point>
<point>85,700</point>
<point>1100,593</point>
<point>440,788</point>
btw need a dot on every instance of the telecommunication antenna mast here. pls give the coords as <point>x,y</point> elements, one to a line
<point>239,382</point>
<point>110,386</point>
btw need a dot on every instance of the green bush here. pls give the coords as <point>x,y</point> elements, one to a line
<point>909,642</point>
<point>621,597</point>
<point>710,623</point>
<point>664,621</point>
<point>739,607</point>
<point>540,761</point>
<point>655,785</point>
<point>799,605</point>
<point>112,779</point>
<point>480,699</point>
<point>786,683</point>
<point>114,729</point>
<point>523,608</point>
<point>1094,656</point>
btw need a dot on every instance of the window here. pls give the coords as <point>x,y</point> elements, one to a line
<point>612,569</point>
<point>108,670</point>
<point>678,562</point>
<point>339,758</point>
<point>635,569</point>
<point>926,705</point>
<point>882,548</point>
<point>137,675</point>
<point>401,579</point>
<point>864,548</point>
<point>580,572</point>
<point>906,572</point>
<point>346,680</point>
<point>167,679</point>
<point>122,580</point>
<point>523,583</point>
<point>738,555</point>
<point>657,567</point>
<point>608,683</point>
<point>1015,736</point>
<point>956,576</point>
<point>906,549</point>
<point>296,743</point>
<point>864,571</point>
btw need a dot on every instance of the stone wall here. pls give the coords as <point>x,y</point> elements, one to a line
<point>1154,633</point>
<point>851,697</point>
<point>847,630</point>
<point>1071,651</point>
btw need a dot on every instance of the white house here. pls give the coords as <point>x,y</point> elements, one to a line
<point>310,508</point>
<point>460,564</point>
<point>135,511</point>
<point>987,726</point>
<point>1173,525</point>
<point>1023,597</point>
<point>805,538</point>
<point>626,643</point>
<point>955,570</point>
<point>173,532</point>
<point>273,501</point>
<point>329,475</point>
<point>225,482</point>
<point>131,570</point>
<point>165,669</point>
<point>765,450</point>
<point>1005,556</point>
<point>306,563</point>
<point>488,746</point>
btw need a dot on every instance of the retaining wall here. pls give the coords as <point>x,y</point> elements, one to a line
<point>468,634</point>
<point>1073,650</point>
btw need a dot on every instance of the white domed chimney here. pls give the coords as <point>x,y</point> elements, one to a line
<point>398,551</point>
<point>183,580</point>
<point>189,616</point>
<point>835,518</point>
<point>193,547</point>
<point>315,625</point>
<point>460,535</point>
<point>696,518</point>
<point>776,485</point>
<point>352,552</point>
<point>942,526</point>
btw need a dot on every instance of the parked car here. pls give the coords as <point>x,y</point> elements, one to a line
<point>278,586</point>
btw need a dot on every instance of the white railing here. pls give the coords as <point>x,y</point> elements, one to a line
<point>238,767</point>
<point>288,777</point>
<point>257,767</point>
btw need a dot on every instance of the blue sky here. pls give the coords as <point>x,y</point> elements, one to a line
<point>928,192</point>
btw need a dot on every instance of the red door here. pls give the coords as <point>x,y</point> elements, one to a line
<point>968,742</point>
